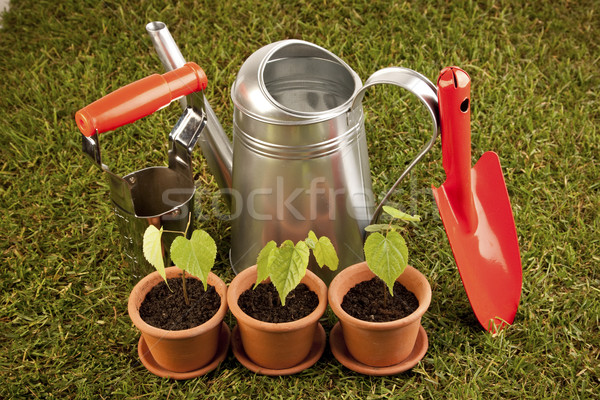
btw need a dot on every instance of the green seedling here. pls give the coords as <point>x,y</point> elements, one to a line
<point>286,265</point>
<point>195,256</point>
<point>385,248</point>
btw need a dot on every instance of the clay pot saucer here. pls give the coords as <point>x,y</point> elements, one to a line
<point>152,366</point>
<point>316,351</point>
<point>340,352</point>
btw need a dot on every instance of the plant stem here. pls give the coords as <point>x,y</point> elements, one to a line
<point>185,293</point>
<point>187,227</point>
<point>183,280</point>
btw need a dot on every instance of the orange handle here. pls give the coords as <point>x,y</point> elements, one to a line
<point>139,99</point>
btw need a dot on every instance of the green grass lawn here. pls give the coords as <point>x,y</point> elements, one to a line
<point>64,328</point>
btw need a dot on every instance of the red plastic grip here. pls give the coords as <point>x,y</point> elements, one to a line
<point>140,99</point>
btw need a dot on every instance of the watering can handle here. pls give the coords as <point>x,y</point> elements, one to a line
<point>139,99</point>
<point>421,87</point>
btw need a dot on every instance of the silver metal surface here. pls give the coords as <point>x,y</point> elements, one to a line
<point>160,196</point>
<point>298,163</point>
<point>293,82</point>
<point>299,160</point>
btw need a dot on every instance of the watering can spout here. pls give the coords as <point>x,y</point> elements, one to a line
<point>218,152</point>
<point>215,144</point>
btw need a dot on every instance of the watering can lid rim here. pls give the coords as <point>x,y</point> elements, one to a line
<point>250,95</point>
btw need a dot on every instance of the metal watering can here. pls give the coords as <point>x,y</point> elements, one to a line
<point>299,157</point>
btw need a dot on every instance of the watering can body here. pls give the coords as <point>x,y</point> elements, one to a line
<point>300,158</point>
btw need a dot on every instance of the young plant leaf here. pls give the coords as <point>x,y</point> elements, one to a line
<point>324,251</point>
<point>376,227</point>
<point>196,256</point>
<point>311,240</point>
<point>287,266</point>
<point>262,263</point>
<point>401,215</point>
<point>152,247</point>
<point>386,256</point>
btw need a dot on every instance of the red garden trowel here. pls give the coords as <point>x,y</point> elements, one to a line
<point>476,211</point>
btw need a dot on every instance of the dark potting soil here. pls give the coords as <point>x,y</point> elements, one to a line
<point>263,303</point>
<point>371,301</point>
<point>164,306</point>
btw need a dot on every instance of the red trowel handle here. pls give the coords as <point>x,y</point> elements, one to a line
<point>139,99</point>
<point>454,97</point>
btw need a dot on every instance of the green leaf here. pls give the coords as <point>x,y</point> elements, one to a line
<point>377,227</point>
<point>196,256</point>
<point>262,262</point>
<point>325,254</point>
<point>386,256</point>
<point>401,215</point>
<point>287,266</point>
<point>152,247</point>
<point>311,240</point>
<point>381,227</point>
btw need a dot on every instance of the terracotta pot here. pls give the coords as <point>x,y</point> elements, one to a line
<point>379,344</point>
<point>184,350</point>
<point>270,345</point>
